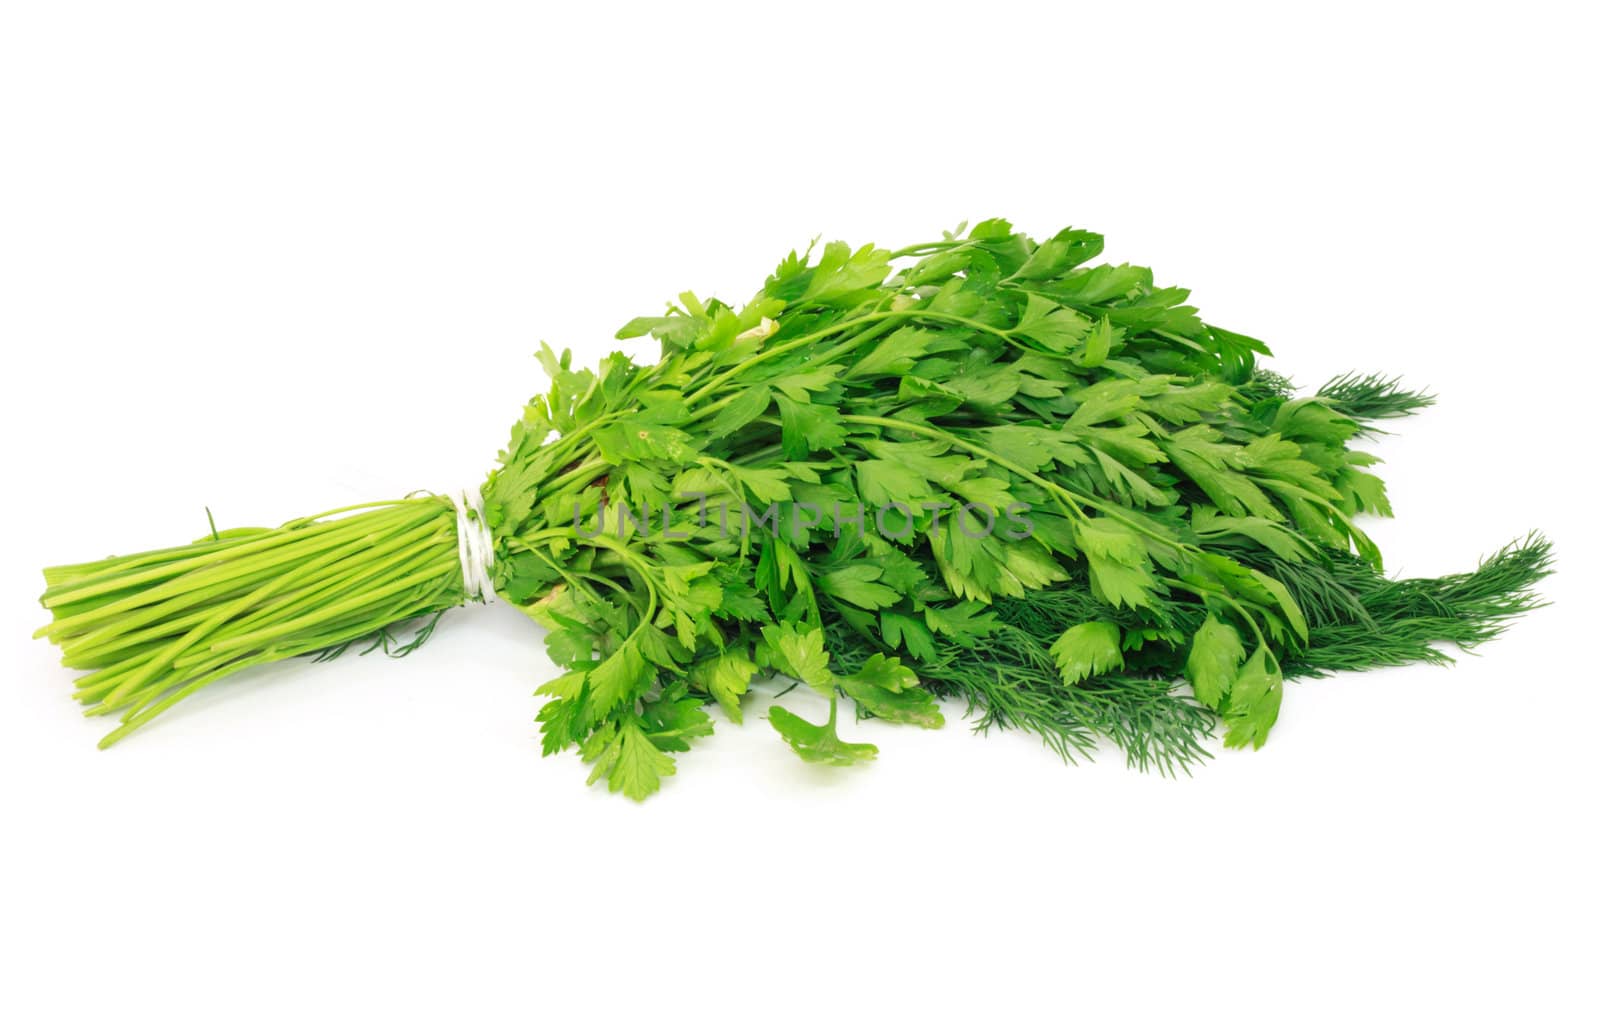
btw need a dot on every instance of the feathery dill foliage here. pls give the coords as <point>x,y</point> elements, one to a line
<point>1179,531</point>
<point>1370,398</point>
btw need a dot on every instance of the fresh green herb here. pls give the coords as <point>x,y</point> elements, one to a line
<point>978,468</point>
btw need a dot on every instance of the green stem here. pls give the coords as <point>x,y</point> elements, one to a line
<point>160,625</point>
<point>1073,500</point>
<point>788,346</point>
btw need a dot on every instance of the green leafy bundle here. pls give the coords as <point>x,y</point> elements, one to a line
<point>979,468</point>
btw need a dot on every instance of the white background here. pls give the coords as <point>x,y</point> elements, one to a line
<point>274,258</point>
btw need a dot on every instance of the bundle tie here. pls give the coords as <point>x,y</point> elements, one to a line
<point>474,545</point>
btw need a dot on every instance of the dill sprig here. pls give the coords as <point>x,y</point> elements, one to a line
<point>1368,399</point>
<point>1409,619</point>
<point>1358,620</point>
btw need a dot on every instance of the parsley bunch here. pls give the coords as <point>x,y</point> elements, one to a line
<point>979,468</point>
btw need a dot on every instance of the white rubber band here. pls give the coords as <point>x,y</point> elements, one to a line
<point>474,545</point>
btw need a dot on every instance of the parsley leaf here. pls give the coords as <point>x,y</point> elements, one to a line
<point>819,744</point>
